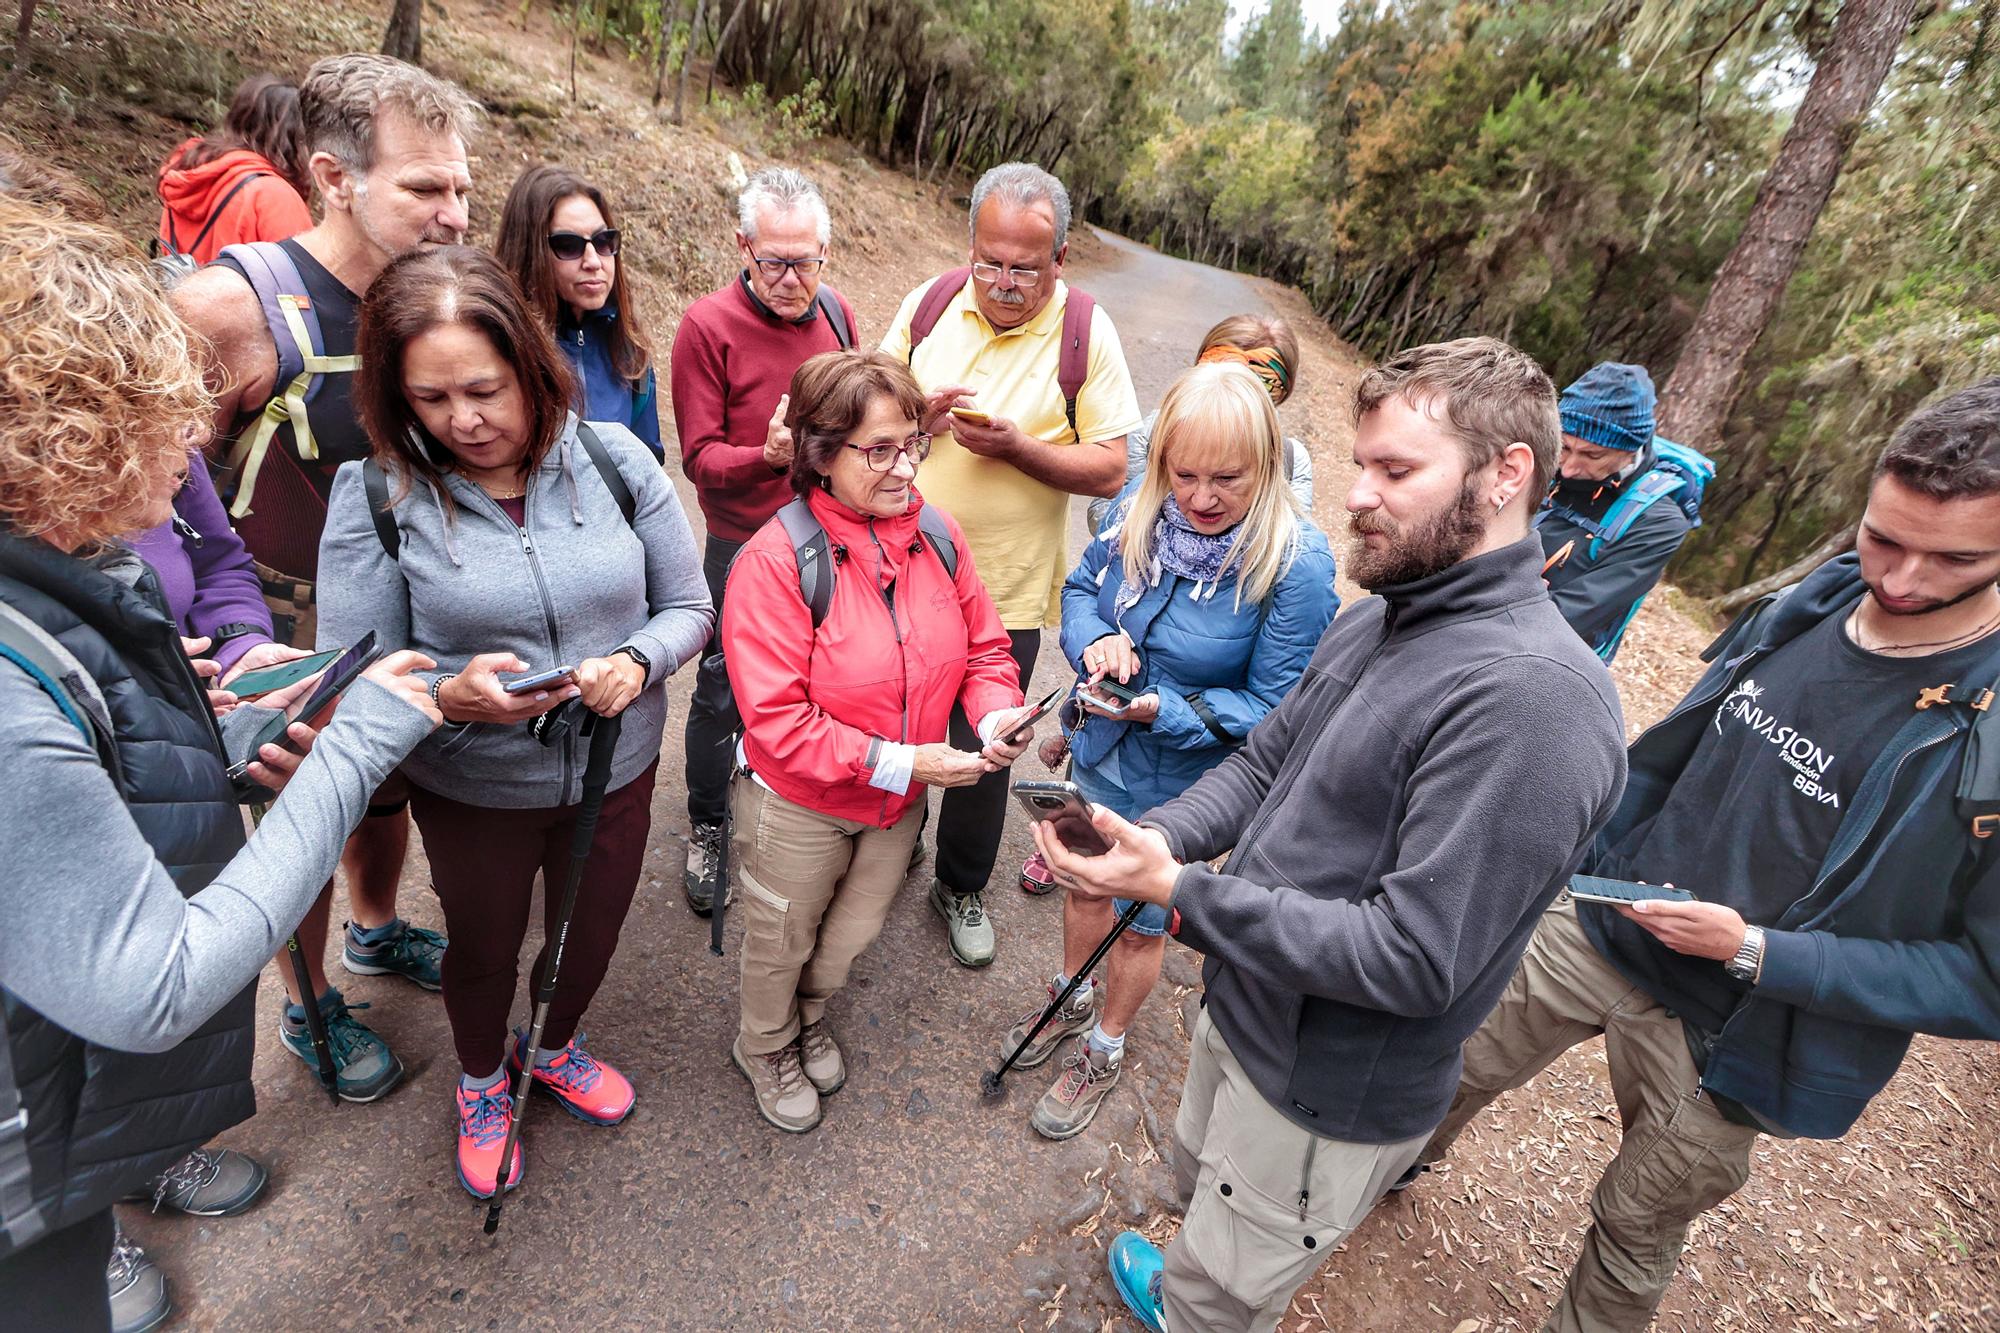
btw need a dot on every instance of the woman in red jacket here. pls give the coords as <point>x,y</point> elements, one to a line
<point>844,723</point>
<point>247,183</point>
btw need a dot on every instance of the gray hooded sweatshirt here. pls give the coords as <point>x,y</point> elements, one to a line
<point>576,582</point>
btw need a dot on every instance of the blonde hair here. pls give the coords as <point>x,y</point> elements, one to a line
<point>1225,405</point>
<point>100,391</point>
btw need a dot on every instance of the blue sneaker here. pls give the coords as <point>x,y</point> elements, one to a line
<point>1137,1267</point>
<point>410,952</point>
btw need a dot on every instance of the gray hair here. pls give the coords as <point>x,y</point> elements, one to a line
<point>787,190</point>
<point>343,97</point>
<point>1023,184</point>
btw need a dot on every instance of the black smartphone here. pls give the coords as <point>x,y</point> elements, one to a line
<point>1040,711</point>
<point>537,680</point>
<point>1622,892</point>
<point>251,684</point>
<point>1061,805</point>
<point>343,673</point>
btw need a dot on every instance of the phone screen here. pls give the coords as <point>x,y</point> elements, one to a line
<point>1593,889</point>
<point>344,672</point>
<point>266,679</point>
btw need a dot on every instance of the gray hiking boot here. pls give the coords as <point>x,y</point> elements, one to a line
<point>785,1097</point>
<point>704,869</point>
<point>139,1296</point>
<point>1067,1109</point>
<point>965,922</point>
<point>819,1055</point>
<point>206,1184</point>
<point>1076,1016</point>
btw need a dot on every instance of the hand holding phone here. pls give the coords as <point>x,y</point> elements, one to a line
<point>1025,727</point>
<point>973,415</point>
<point>1623,892</point>
<point>1061,806</point>
<point>537,680</point>
<point>280,675</point>
<point>1110,697</point>
<point>475,694</point>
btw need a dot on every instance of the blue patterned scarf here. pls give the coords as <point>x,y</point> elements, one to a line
<point>1180,550</point>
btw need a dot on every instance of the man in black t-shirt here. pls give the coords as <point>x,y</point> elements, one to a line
<point>1820,794</point>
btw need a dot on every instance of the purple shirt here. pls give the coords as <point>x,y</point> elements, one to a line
<point>204,570</point>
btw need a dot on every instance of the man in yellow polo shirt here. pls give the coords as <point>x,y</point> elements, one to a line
<point>1007,471</point>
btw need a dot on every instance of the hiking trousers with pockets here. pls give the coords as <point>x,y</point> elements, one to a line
<point>1679,1157</point>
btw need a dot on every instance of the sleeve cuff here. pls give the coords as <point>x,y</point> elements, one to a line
<point>1791,966</point>
<point>989,726</point>
<point>891,765</point>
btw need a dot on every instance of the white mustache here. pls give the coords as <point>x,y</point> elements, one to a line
<point>1006,296</point>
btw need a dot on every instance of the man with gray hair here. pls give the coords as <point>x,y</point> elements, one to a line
<point>732,365</point>
<point>1028,377</point>
<point>386,145</point>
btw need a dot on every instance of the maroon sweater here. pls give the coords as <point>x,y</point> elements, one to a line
<point>732,361</point>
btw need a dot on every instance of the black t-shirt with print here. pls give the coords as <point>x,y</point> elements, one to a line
<point>1753,813</point>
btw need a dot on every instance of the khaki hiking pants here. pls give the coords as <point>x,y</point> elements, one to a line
<point>1250,1240</point>
<point>1679,1157</point>
<point>816,891</point>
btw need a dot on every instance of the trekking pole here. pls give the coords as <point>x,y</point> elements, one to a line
<point>721,887</point>
<point>989,1082</point>
<point>603,732</point>
<point>329,1075</point>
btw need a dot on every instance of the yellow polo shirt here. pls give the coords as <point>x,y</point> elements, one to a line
<point>1017,526</point>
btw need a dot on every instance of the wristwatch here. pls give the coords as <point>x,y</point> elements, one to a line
<point>1749,959</point>
<point>645,662</point>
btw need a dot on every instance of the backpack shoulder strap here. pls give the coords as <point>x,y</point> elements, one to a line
<point>931,308</point>
<point>607,468</point>
<point>836,318</point>
<point>213,218</point>
<point>57,671</point>
<point>937,535</point>
<point>812,548</point>
<point>1656,485</point>
<point>1073,360</point>
<point>376,483</point>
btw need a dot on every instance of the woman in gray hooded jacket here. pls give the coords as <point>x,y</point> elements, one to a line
<point>504,547</point>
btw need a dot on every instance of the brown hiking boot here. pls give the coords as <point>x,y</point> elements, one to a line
<point>784,1096</point>
<point>1074,1017</point>
<point>821,1058</point>
<point>1067,1109</point>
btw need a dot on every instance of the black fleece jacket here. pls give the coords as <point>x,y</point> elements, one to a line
<point>1399,823</point>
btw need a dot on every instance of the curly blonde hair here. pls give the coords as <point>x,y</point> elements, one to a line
<point>100,390</point>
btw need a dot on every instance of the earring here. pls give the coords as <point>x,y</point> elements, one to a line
<point>1499,503</point>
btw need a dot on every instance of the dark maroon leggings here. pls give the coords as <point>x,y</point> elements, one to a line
<point>483,864</point>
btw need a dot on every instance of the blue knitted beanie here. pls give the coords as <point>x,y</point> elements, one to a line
<point>1611,404</point>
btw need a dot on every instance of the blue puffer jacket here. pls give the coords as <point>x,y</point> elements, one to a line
<point>1218,668</point>
<point>607,395</point>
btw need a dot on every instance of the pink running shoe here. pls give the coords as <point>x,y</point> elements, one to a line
<point>482,1128</point>
<point>1036,877</point>
<point>588,1088</point>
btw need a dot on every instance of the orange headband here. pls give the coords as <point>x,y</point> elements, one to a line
<point>1262,360</point>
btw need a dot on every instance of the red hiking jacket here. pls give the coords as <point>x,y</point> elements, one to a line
<point>814,702</point>
<point>265,209</point>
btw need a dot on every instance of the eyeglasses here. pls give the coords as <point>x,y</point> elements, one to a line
<point>774,269</point>
<point>569,245</point>
<point>1023,277</point>
<point>882,457</point>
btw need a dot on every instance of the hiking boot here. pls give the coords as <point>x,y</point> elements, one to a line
<point>704,868</point>
<point>411,952</point>
<point>965,922</point>
<point>820,1057</point>
<point>1137,1270</point>
<point>365,1068</point>
<point>785,1096</point>
<point>1078,1015</point>
<point>1067,1109</point>
<point>206,1184</point>
<point>482,1129</point>
<point>139,1296</point>
<point>1036,877</point>
<point>588,1089</point>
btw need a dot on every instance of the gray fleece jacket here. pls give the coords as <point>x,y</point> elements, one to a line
<point>93,931</point>
<point>578,582</point>
<point>1399,823</point>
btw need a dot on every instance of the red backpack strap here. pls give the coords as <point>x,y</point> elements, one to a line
<point>932,307</point>
<point>1073,361</point>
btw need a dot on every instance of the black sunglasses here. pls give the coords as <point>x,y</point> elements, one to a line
<point>569,245</point>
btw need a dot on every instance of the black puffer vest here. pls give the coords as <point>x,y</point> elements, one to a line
<point>100,1121</point>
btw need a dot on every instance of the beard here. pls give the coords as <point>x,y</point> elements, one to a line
<point>1928,607</point>
<point>1418,550</point>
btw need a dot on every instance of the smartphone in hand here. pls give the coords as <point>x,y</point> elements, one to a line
<point>538,680</point>
<point>1061,806</point>
<point>265,680</point>
<point>1109,695</point>
<point>1622,892</point>
<point>1041,710</point>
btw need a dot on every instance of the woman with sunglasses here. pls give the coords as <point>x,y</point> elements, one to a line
<point>558,240</point>
<point>844,720</point>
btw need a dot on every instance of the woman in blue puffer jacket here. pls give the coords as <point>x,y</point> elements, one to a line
<point>1204,594</point>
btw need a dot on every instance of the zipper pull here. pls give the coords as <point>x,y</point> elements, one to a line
<point>527,547</point>
<point>1303,1196</point>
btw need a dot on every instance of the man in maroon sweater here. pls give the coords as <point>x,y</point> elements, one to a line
<point>733,359</point>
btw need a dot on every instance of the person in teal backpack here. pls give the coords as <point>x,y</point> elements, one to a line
<point>1608,527</point>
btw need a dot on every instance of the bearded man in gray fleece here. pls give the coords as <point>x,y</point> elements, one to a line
<point>1395,828</point>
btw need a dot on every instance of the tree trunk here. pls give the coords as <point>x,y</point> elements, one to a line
<point>1708,375</point>
<point>687,59</point>
<point>1835,545</point>
<point>404,38</point>
<point>721,41</point>
<point>22,28</point>
<point>660,57</point>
